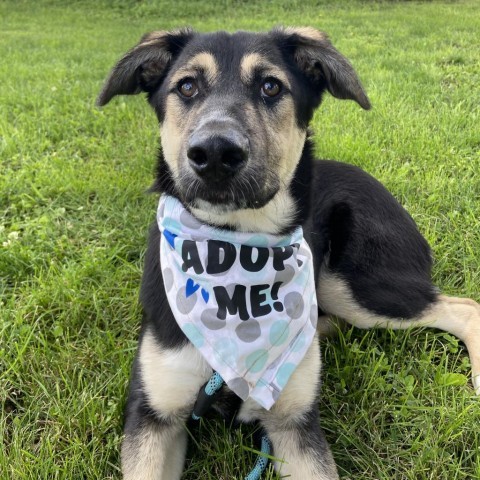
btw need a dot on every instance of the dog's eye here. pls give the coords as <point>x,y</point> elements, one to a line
<point>271,87</point>
<point>188,87</point>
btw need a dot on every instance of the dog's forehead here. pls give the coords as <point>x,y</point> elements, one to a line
<point>230,52</point>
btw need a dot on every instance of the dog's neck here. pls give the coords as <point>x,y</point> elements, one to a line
<point>274,218</point>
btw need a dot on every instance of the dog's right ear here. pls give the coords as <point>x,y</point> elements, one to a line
<point>145,65</point>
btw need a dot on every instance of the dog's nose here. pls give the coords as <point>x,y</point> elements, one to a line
<point>217,156</point>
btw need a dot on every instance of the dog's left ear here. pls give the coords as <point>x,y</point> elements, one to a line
<point>145,65</point>
<point>323,65</point>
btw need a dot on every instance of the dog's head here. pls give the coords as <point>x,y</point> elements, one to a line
<point>233,108</point>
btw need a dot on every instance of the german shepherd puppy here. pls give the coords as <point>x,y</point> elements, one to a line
<point>234,111</point>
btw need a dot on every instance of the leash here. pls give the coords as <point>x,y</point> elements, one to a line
<point>206,396</point>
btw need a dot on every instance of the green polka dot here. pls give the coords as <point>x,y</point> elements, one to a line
<point>193,334</point>
<point>279,333</point>
<point>256,360</point>
<point>284,373</point>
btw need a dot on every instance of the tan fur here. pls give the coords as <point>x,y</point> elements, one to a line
<point>458,316</point>
<point>153,38</point>
<point>254,61</point>
<point>172,378</point>
<point>286,139</point>
<point>265,219</point>
<point>306,32</point>
<point>204,62</point>
<point>172,132</point>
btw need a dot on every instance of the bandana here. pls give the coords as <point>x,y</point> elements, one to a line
<point>246,301</point>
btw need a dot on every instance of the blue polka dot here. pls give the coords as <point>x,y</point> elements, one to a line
<point>284,373</point>
<point>257,241</point>
<point>193,334</point>
<point>256,360</point>
<point>279,333</point>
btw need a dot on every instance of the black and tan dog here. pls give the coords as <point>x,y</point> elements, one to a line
<point>234,111</point>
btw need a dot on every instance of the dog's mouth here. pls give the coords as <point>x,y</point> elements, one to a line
<point>242,191</point>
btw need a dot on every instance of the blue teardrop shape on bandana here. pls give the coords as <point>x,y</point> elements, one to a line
<point>170,237</point>
<point>191,287</point>
<point>205,295</point>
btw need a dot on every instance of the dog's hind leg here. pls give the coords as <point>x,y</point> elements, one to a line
<point>458,316</point>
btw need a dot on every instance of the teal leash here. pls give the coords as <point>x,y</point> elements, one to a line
<point>205,399</point>
<point>206,396</point>
<point>262,460</point>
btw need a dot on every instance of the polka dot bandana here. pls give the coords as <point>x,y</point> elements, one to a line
<point>245,300</point>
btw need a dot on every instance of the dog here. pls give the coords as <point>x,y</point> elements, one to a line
<point>234,113</point>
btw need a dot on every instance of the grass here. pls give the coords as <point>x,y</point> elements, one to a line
<point>74,217</point>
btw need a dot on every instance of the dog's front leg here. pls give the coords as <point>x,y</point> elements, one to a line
<point>153,449</point>
<point>301,448</point>
<point>164,386</point>
<point>293,426</point>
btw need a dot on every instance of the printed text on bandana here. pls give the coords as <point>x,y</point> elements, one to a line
<point>221,256</point>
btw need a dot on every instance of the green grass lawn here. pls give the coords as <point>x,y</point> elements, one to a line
<point>74,217</point>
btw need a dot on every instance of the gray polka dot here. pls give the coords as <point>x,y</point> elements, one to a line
<point>167,279</point>
<point>185,305</point>
<point>210,320</point>
<point>314,315</point>
<point>248,331</point>
<point>240,387</point>
<point>294,304</point>
<point>189,221</point>
<point>285,275</point>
